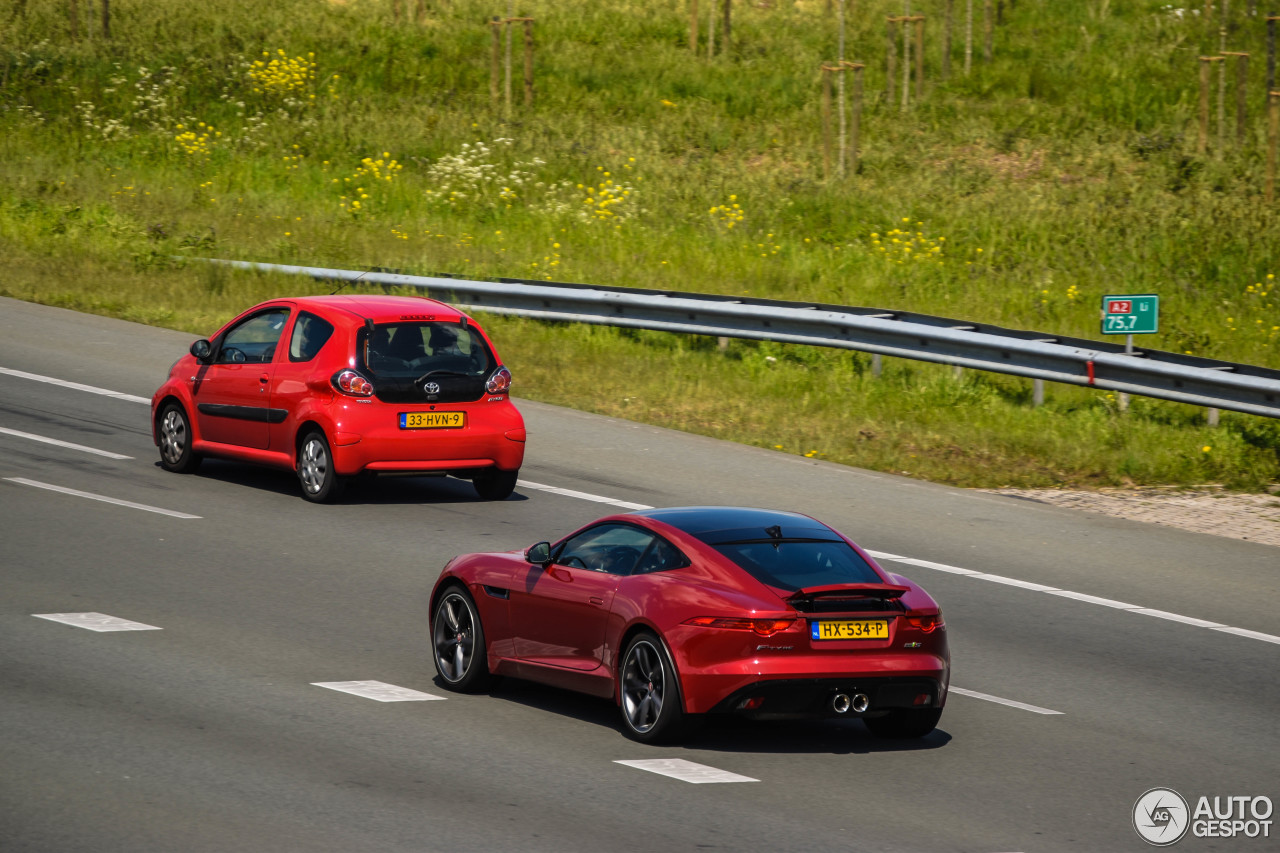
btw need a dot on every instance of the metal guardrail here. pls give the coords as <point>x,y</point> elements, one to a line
<point>1072,361</point>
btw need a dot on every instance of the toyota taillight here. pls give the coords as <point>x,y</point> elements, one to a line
<point>499,382</point>
<point>763,627</point>
<point>927,624</point>
<point>352,384</point>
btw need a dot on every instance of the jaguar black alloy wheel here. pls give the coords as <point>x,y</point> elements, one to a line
<point>458,641</point>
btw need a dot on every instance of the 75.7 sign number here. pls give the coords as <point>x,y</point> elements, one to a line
<point>1131,315</point>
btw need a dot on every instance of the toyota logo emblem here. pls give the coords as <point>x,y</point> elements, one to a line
<point>431,387</point>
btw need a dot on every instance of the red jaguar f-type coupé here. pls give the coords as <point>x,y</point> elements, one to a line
<point>690,611</point>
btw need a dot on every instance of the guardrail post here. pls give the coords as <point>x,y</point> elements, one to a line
<point>877,364</point>
<point>1037,393</point>
<point>1211,416</point>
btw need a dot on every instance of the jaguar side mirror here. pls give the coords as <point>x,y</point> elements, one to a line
<point>539,555</point>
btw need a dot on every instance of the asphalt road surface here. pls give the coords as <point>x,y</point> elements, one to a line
<point>1155,650</point>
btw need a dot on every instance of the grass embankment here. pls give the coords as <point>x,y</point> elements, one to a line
<point>330,134</point>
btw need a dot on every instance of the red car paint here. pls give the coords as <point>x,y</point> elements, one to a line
<point>738,644</point>
<point>257,406</point>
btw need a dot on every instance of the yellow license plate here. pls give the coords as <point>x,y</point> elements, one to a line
<point>846,629</point>
<point>432,420</point>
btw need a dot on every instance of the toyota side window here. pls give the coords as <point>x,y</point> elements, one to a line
<point>254,340</point>
<point>310,333</point>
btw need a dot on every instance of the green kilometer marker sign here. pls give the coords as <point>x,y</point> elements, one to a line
<point>1131,315</point>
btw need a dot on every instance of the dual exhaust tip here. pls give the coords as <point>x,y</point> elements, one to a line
<point>843,703</point>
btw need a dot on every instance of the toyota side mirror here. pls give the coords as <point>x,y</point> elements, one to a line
<point>539,555</point>
<point>201,349</point>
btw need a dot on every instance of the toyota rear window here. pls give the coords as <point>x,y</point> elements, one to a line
<point>411,350</point>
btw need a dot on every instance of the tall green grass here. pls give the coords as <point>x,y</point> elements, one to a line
<point>1064,170</point>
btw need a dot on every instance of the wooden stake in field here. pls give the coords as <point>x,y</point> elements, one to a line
<point>106,19</point>
<point>968,37</point>
<point>1273,140</point>
<point>1242,93</point>
<point>890,57</point>
<point>1202,144</point>
<point>946,39</point>
<point>844,153</point>
<point>711,29</point>
<point>528,61</point>
<point>495,67</point>
<point>855,135</point>
<point>73,18</point>
<point>726,38</point>
<point>693,26</point>
<point>988,47</point>
<point>498,27</point>
<point>1271,51</point>
<point>919,22</point>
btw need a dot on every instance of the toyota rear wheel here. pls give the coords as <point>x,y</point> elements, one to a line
<point>494,484</point>
<point>320,482</point>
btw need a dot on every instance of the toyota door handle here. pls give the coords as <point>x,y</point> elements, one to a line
<point>595,600</point>
<point>264,378</point>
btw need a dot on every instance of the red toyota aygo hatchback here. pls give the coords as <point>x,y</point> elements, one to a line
<point>336,386</point>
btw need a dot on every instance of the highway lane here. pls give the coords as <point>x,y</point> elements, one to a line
<point>208,734</point>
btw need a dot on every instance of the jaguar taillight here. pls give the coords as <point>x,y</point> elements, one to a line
<point>352,384</point>
<point>763,627</point>
<point>499,382</point>
<point>925,623</point>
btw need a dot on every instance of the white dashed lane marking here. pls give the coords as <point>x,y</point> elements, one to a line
<point>686,771</point>
<point>67,444</point>
<point>378,691</point>
<point>582,496</point>
<point>973,694</point>
<point>95,621</point>
<point>91,496</point>
<point>74,386</point>
<point>1079,596</point>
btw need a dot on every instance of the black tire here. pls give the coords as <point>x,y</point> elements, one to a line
<point>649,687</point>
<point>320,483</point>
<point>905,723</point>
<point>173,429</point>
<point>495,485</point>
<point>457,643</point>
